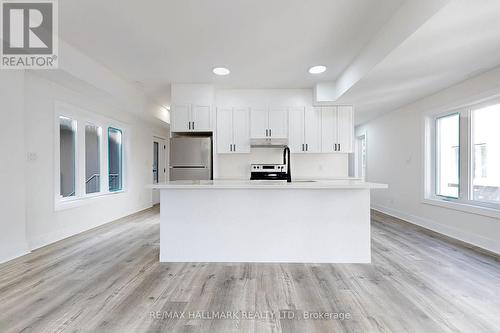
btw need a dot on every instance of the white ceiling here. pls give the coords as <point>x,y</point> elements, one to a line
<point>271,44</point>
<point>265,44</point>
<point>460,41</point>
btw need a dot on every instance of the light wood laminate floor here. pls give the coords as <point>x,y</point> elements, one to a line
<point>109,280</point>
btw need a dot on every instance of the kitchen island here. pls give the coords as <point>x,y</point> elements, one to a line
<point>265,221</point>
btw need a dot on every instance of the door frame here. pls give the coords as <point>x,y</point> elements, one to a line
<point>155,196</point>
<point>358,171</point>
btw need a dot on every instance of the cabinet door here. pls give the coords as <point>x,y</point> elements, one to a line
<point>259,123</point>
<point>278,122</point>
<point>328,129</point>
<point>241,130</point>
<point>224,130</point>
<point>180,118</point>
<point>345,128</point>
<point>200,118</point>
<point>296,130</point>
<point>312,130</point>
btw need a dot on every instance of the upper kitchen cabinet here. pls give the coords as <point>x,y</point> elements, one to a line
<point>304,130</point>
<point>267,123</point>
<point>337,129</point>
<point>233,130</point>
<point>191,109</point>
<point>190,118</point>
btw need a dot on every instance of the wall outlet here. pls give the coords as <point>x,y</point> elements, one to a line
<point>32,156</point>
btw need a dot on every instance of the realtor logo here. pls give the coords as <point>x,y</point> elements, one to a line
<point>29,34</point>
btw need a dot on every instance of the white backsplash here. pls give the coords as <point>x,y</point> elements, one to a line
<point>316,166</point>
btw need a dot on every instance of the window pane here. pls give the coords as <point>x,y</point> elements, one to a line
<point>92,159</point>
<point>448,155</point>
<point>67,150</point>
<point>115,159</point>
<point>486,154</point>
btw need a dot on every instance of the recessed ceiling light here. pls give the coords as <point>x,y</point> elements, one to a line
<point>317,69</point>
<point>221,71</point>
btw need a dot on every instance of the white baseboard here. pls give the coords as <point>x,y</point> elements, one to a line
<point>13,254</point>
<point>473,239</point>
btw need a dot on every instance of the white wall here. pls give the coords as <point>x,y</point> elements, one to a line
<point>27,104</point>
<point>395,156</point>
<point>237,166</point>
<point>44,224</point>
<point>12,161</point>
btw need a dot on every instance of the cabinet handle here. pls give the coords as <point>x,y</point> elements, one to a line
<point>307,147</point>
<point>234,147</point>
<point>339,147</point>
<point>270,132</point>
<point>193,124</point>
<point>266,132</point>
<point>334,147</point>
<point>302,147</point>
<point>189,125</point>
<point>230,147</point>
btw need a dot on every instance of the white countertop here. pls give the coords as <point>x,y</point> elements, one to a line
<point>341,184</point>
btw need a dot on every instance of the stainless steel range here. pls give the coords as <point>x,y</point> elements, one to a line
<point>273,171</point>
<point>268,172</point>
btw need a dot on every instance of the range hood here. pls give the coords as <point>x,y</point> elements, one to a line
<point>269,143</point>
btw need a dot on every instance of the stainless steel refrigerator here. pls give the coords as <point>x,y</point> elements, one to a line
<point>191,158</point>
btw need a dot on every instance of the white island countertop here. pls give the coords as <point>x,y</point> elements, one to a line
<point>341,184</point>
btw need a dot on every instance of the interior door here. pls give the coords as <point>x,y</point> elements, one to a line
<point>345,128</point>
<point>312,129</point>
<point>259,123</point>
<point>224,130</point>
<point>296,130</point>
<point>241,130</point>
<point>159,165</point>
<point>180,117</point>
<point>200,118</point>
<point>328,129</point>
<point>278,122</point>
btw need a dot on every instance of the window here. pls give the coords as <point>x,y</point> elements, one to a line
<point>89,160</point>
<point>92,159</point>
<point>67,152</point>
<point>486,154</point>
<point>115,159</point>
<point>463,157</point>
<point>448,155</point>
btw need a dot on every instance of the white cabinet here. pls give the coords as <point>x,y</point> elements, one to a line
<point>241,130</point>
<point>345,129</point>
<point>269,123</point>
<point>304,130</point>
<point>259,123</point>
<point>337,129</point>
<point>180,118</point>
<point>278,123</point>
<point>190,118</point>
<point>224,130</point>
<point>233,130</point>
<point>201,121</point>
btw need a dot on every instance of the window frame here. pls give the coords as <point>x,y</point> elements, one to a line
<point>465,201</point>
<point>121,158</point>
<point>435,156</point>
<point>83,118</point>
